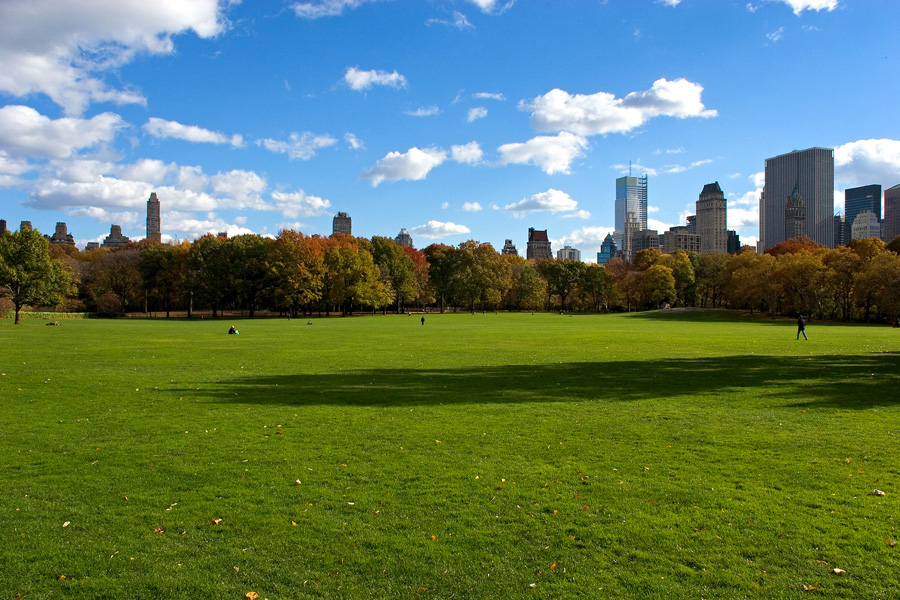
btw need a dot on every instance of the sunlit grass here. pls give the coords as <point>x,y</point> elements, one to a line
<point>652,455</point>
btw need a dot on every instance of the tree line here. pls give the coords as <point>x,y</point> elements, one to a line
<point>295,274</point>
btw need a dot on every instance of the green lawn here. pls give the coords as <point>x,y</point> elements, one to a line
<point>680,455</point>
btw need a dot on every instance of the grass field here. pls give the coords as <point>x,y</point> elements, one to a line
<point>680,455</point>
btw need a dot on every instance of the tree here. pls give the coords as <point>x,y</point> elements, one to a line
<point>27,273</point>
<point>596,283</point>
<point>842,264</point>
<point>115,282</point>
<point>248,254</point>
<point>709,278</point>
<point>561,276</point>
<point>882,276</point>
<point>481,277</point>
<point>208,263</point>
<point>295,271</point>
<point>443,262</point>
<point>683,272</point>
<point>628,282</point>
<point>396,269</point>
<point>658,285</point>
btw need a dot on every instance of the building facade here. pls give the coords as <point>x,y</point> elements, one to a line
<point>811,171</point>
<point>342,223</point>
<point>631,197</point>
<point>865,225</point>
<point>679,238</point>
<point>568,253</point>
<point>403,238</point>
<point>154,231</point>
<point>644,240</point>
<point>841,231</point>
<point>61,235</point>
<point>734,242</point>
<point>115,239</point>
<point>891,213</point>
<point>711,219</point>
<point>794,215</point>
<point>608,250</point>
<point>860,199</point>
<point>509,248</point>
<point>538,245</point>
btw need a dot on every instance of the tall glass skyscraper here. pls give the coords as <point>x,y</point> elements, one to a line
<point>860,199</point>
<point>811,172</point>
<point>631,197</point>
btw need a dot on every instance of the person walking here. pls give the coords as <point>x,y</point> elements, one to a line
<point>801,328</point>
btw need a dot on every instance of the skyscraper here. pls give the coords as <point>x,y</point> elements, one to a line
<point>154,232</point>
<point>538,247</point>
<point>342,223</point>
<point>711,219</point>
<point>510,248</point>
<point>404,238</point>
<point>860,199</point>
<point>811,172</point>
<point>631,197</point>
<point>891,213</point>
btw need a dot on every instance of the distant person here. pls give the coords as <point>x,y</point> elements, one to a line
<point>233,331</point>
<point>801,327</point>
<point>423,320</point>
<point>896,323</point>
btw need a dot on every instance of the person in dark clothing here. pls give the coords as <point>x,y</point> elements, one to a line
<point>801,327</point>
<point>423,320</point>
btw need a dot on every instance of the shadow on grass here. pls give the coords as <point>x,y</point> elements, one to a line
<point>855,382</point>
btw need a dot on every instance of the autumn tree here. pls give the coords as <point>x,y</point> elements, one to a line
<point>396,270</point>
<point>562,276</point>
<point>709,278</point>
<point>481,277</point>
<point>209,265</point>
<point>682,271</point>
<point>596,285</point>
<point>527,288</point>
<point>658,285</point>
<point>115,283</point>
<point>27,273</point>
<point>295,271</point>
<point>443,262</point>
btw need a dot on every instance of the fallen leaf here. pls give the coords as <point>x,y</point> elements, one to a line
<point>811,587</point>
<point>531,585</point>
<point>215,521</point>
<point>877,493</point>
<point>235,569</point>
<point>421,589</point>
<point>158,530</point>
<point>251,595</point>
<point>837,571</point>
<point>890,542</point>
<point>297,482</point>
<point>553,566</point>
<point>61,577</point>
<point>293,524</point>
<point>66,524</point>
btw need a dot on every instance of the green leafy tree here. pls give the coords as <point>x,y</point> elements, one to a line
<point>208,264</point>
<point>482,277</point>
<point>658,285</point>
<point>709,276</point>
<point>248,256</point>
<point>682,271</point>
<point>596,284</point>
<point>396,270</point>
<point>443,263</point>
<point>562,277</point>
<point>295,271</point>
<point>27,273</point>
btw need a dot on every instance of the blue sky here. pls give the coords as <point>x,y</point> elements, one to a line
<point>455,119</point>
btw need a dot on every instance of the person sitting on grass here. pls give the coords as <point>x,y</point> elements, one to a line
<point>233,331</point>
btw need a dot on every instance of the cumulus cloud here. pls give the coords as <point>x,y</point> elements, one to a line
<point>433,230</point>
<point>550,201</point>
<point>470,153</point>
<point>161,128</point>
<point>585,238</point>
<point>579,214</point>
<point>603,113</point>
<point>798,6</point>
<point>24,131</point>
<point>412,165</point>
<point>479,112</point>
<point>552,154</point>
<point>659,226</point>
<point>424,111</point>
<point>303,146</point>
<point>867,161</point>
<point>360,80</point>
<point>300,204</point>
<point>60,48</point>
<point>472,207</point>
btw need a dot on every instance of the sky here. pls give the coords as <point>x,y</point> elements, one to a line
<point>454,119</point>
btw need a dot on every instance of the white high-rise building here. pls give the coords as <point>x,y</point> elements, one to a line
<point>712,219</point>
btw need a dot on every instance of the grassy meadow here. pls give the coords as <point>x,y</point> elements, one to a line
<point>652,455</point>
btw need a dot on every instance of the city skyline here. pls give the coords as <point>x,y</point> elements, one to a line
<point>444,118</point>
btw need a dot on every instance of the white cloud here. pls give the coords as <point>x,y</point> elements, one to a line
<point>603,113</point>
<point>476,113</point>
<point>580,214</point>
<point>100,215</point>
<point>798,6</point>
<point>303,146</point>
<point>489,96</point>
<point>585,238</point>
<point>424,111</point>
<point>61,48</point>
<point>324,8</point>
<point>299,204</point>
<point>245,187</point>
<point>362,80</point>
<point>634,168</point>
<point>13,166</point>
<point>25,131</point>
<point>671,2</point>
<point>353,142</point>
<point>191,228</point>
<point>413,165</point>
<point>445,205</point>
<point>552,154</point>
<point>433,230</point>
<point>652,209</point>
<point>460,21</point>
<point>550,201</point>
<point>658,225</point>
<point>472,207</point>
<point>776,35</point>
<point>868,161</point>
<point>161,128</point>
<point>493,6</point>
<point>682,168</point>
<point>470,153</point>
